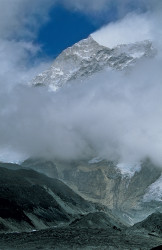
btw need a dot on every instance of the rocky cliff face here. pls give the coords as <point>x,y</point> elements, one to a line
<point>43,166</point>
<point>105,183</point>
<point>88,57</point>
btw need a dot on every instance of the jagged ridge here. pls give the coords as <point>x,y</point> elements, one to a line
<point>88,57</point>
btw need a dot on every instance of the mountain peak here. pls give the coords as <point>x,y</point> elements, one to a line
<point>87,57</point>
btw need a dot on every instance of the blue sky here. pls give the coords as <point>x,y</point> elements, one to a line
<point>66,27</point>
<point>63,29</point>
<point>52,25</point>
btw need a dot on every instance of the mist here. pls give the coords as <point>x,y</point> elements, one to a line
<point>113,115</point>
<point>125,31</point>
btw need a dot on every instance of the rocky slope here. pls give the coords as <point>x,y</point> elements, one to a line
<point>151,225</point>
<point>105,183</point>
<point>109,184</point>
<point>92,236</point>
<point>43,166</point>
<point>98,220</point>
<point>29,201</point>
<point>88,57</point>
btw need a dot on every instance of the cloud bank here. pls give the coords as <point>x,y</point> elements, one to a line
<point>121,7</point>
<point>19,23</point>
<point>112,115</point>
<point>22,18</point>
<point>125,31</point>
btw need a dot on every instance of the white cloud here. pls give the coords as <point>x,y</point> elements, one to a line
<point>111,115</point>
<point>121,7</point>
<point>125,31</point>
<point>19,23</point>
<point>87,6</point>
<point>21,18</point>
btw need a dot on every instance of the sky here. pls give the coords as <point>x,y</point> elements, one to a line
<point>35,32</point>
<point>76,20</point>
<point>87,120</point>
<point>75,26</point>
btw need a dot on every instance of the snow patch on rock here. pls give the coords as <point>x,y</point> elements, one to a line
<point>154,191</point>
<point>129,169</point>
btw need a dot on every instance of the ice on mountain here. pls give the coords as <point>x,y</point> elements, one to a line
<point>129,169</point>
<point>95,160</point>
<point>154,192</point>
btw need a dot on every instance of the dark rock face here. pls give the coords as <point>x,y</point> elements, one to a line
<point>79,238</point>
<point>98,220</point>
<point>157,248</point>
<point>10,166</point>
<point>152,224</point>
<point>29,200</point>
<point>89,183</point>
<point>43,166</point>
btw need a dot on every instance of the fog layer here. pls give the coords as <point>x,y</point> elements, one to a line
<point>114,115</point>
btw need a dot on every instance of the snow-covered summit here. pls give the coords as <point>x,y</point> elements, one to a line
<point>87,57</point>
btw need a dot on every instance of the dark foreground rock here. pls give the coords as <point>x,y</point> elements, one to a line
<point>157,248</point>
<point>151,225</point>
<point>98,220</point>
<point>78,238</point>
<point>55,217</point>
<point>30,200</point>
<point>88,232</point>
